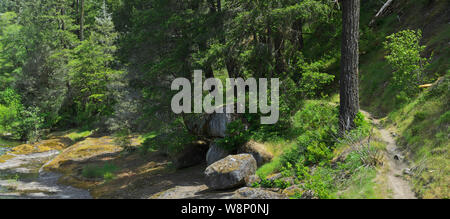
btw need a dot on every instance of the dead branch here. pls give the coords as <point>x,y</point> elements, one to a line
<point>381,11</point>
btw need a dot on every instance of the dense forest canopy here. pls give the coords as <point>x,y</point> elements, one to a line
<point>75,63</point>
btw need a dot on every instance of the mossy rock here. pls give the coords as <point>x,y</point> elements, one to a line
<point>259,152</point>
<point>230,172</point>
<point>83,151</point>
<point>53,144</point>
<point>5,157</point>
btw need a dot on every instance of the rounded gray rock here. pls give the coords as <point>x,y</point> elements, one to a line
<point>230,172</point>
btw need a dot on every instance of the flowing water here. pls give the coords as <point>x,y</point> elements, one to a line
<point>6,145</point>
<point>21,177</point>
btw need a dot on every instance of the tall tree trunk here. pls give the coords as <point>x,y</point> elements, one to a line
<point>349,105</point>
<point>82,21</point>
<point>298,28</point>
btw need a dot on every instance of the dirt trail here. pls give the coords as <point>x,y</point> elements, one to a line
<point>397,184</point>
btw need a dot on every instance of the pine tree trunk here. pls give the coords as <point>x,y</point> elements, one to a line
<point>298,28</point>
<point>349,105</point>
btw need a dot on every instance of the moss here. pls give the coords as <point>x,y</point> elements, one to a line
<point>79,135</point>
<point>40,147</point>
<point>84,150</point>
<point>5,157</point>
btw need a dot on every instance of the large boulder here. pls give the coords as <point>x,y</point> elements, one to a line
<point>193,154</point>
<point>215,153</point>
<point>212,125</point>
<point>83,151</point>
<point>196,123</point>
<point>230,172</point>
<point>257,193</point>
<point>218,122</point>
<point>259,152</point>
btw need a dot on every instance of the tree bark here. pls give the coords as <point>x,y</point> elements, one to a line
<point>82,21</point>
<point>298,28</point>
<point>349,87</point>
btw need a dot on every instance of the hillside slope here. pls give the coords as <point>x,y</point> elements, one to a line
<point>422,121</point>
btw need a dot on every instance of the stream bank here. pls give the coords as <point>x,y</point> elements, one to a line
<point>21,175</point>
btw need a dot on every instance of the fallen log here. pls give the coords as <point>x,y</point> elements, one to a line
<point>426,86</point>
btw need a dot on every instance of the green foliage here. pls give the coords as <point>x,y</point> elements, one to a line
<point>79,135</point>
<point>10,109</point>
<point>402,98</point>
<point>22,123</point>
<point>404,55</point>
<point>360,120</point>
<point>123,139</point>
<point>309,162</point>
<point>423,126</point>
<point>362,127</point>
<point>105,172</point>
<point>317,123</point>
<point>50,70</point>
<point>11,52</point>
<point>444,119</point>
<point>241,38</point>
<point>31,124</point>
<point>170,140</point>
<point>313,81</point>
<point>420,116</point>
<point>237,134</point>
<point>90,72</point>
<point>324,181</point>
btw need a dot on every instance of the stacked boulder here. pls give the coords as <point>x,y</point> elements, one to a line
<point>226,169</point>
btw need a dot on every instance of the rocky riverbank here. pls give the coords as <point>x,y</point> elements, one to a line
<point>21,175</point>
<point>59,168</point>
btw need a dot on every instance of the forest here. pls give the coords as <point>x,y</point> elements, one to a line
<point>85,95</point>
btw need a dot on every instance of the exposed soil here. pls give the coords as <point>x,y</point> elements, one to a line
<point>399,187</point>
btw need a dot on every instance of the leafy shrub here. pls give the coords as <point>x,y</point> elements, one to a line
<point>420,116</point>
<point>444,119</point>
<point>10,109</point>
<point>288,103</point>
<point>361,130</point>
<point>402,98</point>
<point>237,134</point>
<point>360,120</point>
<point>123,139</point>
<point>320,182</point>
<point>31,124</point>
<point>313,80</point>
<point>279,183</point>
<point>404,55</point>
<point>317,123</point>
<point>170,140</point>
